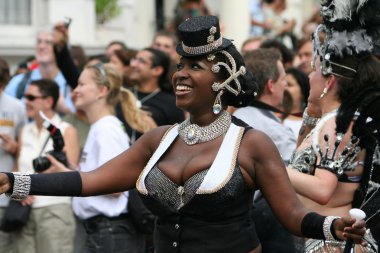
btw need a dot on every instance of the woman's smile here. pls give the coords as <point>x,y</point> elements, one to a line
<point>182,89</point>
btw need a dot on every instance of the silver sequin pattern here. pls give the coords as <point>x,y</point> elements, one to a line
<point>21,186</point>
<point>170,194</point>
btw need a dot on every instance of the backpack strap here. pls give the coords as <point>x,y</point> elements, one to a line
<point>22,84</point>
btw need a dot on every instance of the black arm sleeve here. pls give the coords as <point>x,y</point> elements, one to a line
<point>56,184</point>
<point>67,66</point>
<point>312,226</point>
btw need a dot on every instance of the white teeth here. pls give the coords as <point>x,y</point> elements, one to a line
<point>183,88</point>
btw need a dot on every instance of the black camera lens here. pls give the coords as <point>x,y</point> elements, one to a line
<point>41,163</point>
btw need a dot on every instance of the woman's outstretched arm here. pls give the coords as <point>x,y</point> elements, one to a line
<point>119,174</point>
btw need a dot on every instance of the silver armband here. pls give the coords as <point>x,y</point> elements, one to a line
<point>327,228</point>
<point>308,120</point>
<point>21,186</point>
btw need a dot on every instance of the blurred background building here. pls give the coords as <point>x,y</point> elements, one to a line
<point>97,22</point>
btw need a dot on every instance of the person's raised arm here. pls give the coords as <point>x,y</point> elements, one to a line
<point>63,56</point>
<point>311,116</point>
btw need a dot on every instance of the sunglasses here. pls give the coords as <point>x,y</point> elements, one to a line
<point>32,97</point>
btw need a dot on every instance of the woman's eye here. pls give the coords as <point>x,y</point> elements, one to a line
<point>179,66</point>
<point>195,66</point>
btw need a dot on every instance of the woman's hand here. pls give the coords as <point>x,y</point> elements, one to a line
<point>5,185</point>
<point>348,228</point>
<point>56,166</point>
<point>28,201</point>
<point>9,144</point>
<point>60,35</point>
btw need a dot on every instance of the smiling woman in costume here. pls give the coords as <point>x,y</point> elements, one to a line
<point>198,177</point>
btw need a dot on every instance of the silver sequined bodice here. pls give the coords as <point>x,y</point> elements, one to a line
<point>165,197</point>
<point>173,195</point>
<point>304,160</point>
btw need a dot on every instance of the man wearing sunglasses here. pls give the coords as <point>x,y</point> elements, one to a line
<point>51,225</point>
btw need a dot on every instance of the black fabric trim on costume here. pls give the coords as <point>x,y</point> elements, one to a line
<point>261,105</point>
<point>332,231</point>
<point>312,226</point>
<point>56,184</point>
<point>241,123</point>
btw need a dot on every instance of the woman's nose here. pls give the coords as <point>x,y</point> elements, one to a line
<point>182,73</point>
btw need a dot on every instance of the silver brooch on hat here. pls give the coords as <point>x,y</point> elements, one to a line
<point>211,39</point>
<point>210,57</point>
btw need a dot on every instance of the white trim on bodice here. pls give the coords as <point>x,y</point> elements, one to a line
<point>220,171</point>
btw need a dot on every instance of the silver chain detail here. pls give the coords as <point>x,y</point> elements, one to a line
<point>192,133</point>
<point>21,186</point>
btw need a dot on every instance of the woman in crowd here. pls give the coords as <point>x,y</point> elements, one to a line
<point>198,177</point>
<point>332,167</point>
<point>122,59</point>
<point>105,217</point>
<point>298,89</point>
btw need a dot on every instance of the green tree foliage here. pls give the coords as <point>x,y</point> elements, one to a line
<point>106,10</point>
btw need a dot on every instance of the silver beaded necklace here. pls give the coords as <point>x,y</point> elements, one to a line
<point>192,133</point>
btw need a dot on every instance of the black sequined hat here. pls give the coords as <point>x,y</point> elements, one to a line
<point>200,36</point>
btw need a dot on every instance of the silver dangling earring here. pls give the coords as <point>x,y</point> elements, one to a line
<point>324,92</point>
<point>217,107</point>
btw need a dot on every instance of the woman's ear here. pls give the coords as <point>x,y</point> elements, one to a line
<point>331,81</point>
<point>103,91</point>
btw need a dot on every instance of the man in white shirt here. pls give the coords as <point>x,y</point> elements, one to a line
<point>261,115</point>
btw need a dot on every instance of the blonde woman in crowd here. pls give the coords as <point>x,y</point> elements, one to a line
<point>99,90</point>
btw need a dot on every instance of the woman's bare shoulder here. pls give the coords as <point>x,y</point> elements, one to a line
<point>153,137</point>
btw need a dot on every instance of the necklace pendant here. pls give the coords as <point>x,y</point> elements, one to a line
<point>191,134</point>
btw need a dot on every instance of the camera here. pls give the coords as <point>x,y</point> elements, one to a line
<point>41,163</point>
<point>67,22</point>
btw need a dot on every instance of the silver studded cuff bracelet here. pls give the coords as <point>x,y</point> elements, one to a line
<point>328,229</point>
<point>308,120</point>
<point>21,186</point>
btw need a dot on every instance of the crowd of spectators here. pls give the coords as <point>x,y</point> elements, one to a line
<point>49,82</point>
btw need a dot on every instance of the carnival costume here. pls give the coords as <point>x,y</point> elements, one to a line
<point>305,161</point>
<point>350,31</point>
<point>210,211</point>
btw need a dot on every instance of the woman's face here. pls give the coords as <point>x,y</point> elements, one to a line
<point>192,84</point>
<point>294,90</point>
<point>317,82</point>
<point>87,92</point>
